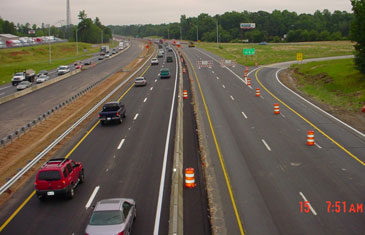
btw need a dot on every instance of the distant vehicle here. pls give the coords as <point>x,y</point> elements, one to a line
<point>2,44</point>
<point>58,176</point>
<point>114,216</point>
<point>140,81</point>
<point>77,62</point>
<point>161,41</point>
<point>169,49</point>
<point>107,55</point>
<point>114,51</point>
<point>112,111</point>
<point>42,78</point>
<point>169,59</point>
<point>159,55</point>
<point>165,73</point>
<point>101,57</point>
<point>27,75</point>
<point>42,72</point>
<point>161,51</point>
<point>63,69</point>
<point>191,44</point>
<point>263,43</point>
<point>23,85</point>
<point>121,45</point>
<point>87,62</point>
<point>104,49</point>
<point>154,61</point>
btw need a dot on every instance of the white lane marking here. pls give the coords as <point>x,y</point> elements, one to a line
<point>244,115</point>
<point>121,143</point>
<point>343,123</point>
<point>217,78</point>
<point>145,99</point>
<point>310,206</point>
<point>223,86</point>
<point>282,115</point>
<point>151,88</point>
<point>155,80</point>
<point>318,145</point>
<point>92,197</point>
<point>232,98</point>
<point>250,87</point>
<point>2,88</point>
<point>262,97</point>
<point>135,117</point>
<point>2,93</point>
<point>212,71</point>
<point>267,146</point>
<point>163,173</point>
<point>107,170</point>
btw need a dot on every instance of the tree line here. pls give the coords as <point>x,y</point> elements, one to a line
<point>276,26</point>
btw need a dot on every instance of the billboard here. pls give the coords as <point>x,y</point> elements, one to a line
<point>247,25</point>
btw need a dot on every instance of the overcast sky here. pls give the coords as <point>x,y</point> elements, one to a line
<point>122,12</point>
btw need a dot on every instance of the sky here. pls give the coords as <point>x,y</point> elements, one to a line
<point>126,12</point>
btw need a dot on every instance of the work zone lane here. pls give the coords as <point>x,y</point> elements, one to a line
<point>131,169</point>
<point>272,149</point>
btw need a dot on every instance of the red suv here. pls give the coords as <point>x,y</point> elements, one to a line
<point>58,176</point>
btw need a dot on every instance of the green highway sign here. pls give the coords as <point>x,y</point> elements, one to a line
<point>248,51</point>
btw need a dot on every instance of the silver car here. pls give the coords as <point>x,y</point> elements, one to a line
<point>42,78</point>
<point>23,85</point>
<point>140,81</point>
<point>112,216</point>
<point>154,61</point>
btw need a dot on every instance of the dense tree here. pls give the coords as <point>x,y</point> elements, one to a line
<point>358,33</point>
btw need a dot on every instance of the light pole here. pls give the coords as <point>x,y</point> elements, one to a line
<point>217,32</point>
<point>180,33</point>
<point>49,44</point>
<point>197,33</point>
<point>168,32</point>
<point>77,42</point>
<point>101,37</point>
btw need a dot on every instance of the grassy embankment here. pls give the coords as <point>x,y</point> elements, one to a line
<point>278,52</point>
<point>37,57</point>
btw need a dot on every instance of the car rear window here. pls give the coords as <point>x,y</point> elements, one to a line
<point>49,175</point>
<point>110,107</point>
<point>106,218</point>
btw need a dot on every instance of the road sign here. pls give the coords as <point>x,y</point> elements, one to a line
<point>247,25</point>
<point>299,56</point>
<point>249,51</point>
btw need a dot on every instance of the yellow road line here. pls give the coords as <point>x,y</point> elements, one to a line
<point>219,154</point>
<point>307,121</point>
<point>68,154</point>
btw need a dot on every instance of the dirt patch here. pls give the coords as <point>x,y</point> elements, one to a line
<point>354,119</point>
<point>17,154</point>
<point>16,53</point>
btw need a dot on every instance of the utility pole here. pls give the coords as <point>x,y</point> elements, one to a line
<point>168,32</point>
<point>197,33</point>
<point>217,32</point>
<point>49,44</point>
<point>180,33</point>
<point>102,38</point>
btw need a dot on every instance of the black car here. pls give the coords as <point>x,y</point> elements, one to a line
<point>169,59</point>
<point>42,72</point>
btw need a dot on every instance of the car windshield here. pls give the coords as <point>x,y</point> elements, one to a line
<point>23,83</point>
<point>19,74</point>
<point>63,67</point>
<point>110,107</point>
<point>139,79</point>
<point>106,218</point>
<point>49,175</point>
<point>43,76</point>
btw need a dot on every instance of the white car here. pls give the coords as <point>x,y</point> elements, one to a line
<point>140,81</point>
<point>161,51</point>
<point>63,69</point>
<point>42,78</point>
<point>154,61</point>
<point>23,85</point>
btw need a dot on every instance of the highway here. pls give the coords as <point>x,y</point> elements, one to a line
<point>20,111</point>
<point>126,160</point>
<point>268,180</point>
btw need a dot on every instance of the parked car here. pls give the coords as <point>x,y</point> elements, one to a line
<point>112,216</point>
<point>42,72</point>
<point>42,78</point>
<point>112,111</point>
<point>154,61</point>
<point>63,69</point>
<point>140,81</point>
<point>58,176</point>
<point>23,85</point>
<point>169,59</point>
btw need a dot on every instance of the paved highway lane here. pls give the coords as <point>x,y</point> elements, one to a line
<point>271,170</point>
<point>18,112</point>
<point>122,160</point>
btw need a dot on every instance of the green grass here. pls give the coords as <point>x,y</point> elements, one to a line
<point>37,57</point>
<point>336,83</point>
<point>278,52</point>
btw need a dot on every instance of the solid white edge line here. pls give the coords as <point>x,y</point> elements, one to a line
<point>244,115</point>
<point>145,99</point>
<point>136,116</point>
<point>282,115</point>
<point>330,115</point>
<point>318,146</point>
<point>121,143</point>
<point>88,204</point>
<point>267,146</point>
<point>223,86</point>
<point>310,206</point>
<point>151,88</point>
<point>163,173</point>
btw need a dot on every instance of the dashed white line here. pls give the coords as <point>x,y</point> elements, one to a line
<point>232,98</point>
<point>310,206</point>
<point>261,97</point>
<point>212,71</point>
<point>244,115</point>
<point>155,80</point>
<point>145,99</point>
<point>318,145</point>
<point>2,88</point>
<point>282,115</point>
<point>121,143</point>
<point>267,146</point>
<point>151,88</point>
<point>2,93</point>
<point>135,117</point>
<point>92,197</point>
<point>223,86</point>
<point>217,78</point>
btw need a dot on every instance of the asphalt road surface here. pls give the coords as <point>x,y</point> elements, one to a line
<point>18,112</point>
<point>125,160</point>
<point>278,184</point>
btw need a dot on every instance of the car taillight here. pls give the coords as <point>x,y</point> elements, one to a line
<point>117,114</point>
<point>121,233</point>
<point>99,115</point>
<point>64,182</point>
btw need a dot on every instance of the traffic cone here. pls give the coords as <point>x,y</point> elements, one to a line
<point>189,178</point>
<point>310,138</point>
<point>248,81</point>
<point>276,109</point>
<point>185,94</point>
<point>246,69</point>
<point>258,92</point>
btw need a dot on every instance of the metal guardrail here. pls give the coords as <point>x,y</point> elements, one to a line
<point>22,171</point>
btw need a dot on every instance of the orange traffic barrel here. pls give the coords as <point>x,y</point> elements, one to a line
<point>189,178</point>
<point>258,92</point>
<point>363,109</point>
<point>245,74</point>
<point>185,94</point>
<point>276,109</point>
<point>248,81</point>
<point>246,69</point>
<point>310,138</point>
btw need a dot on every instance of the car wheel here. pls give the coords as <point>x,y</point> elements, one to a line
<point>82,176</point>
<point>71,192</point>
<point>120,120</point>
<point>41,198</point>
<point>102,123</point>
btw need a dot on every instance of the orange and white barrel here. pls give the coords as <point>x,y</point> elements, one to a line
<point>189,178</point>
<point>185,94</point>
<point>248,81</point>
<point>258,92</point>
<point>276,109</point>
<point>310,138</point>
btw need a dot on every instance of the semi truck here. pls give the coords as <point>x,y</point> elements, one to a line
<point>104,49</point>
<point>24,75</point>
